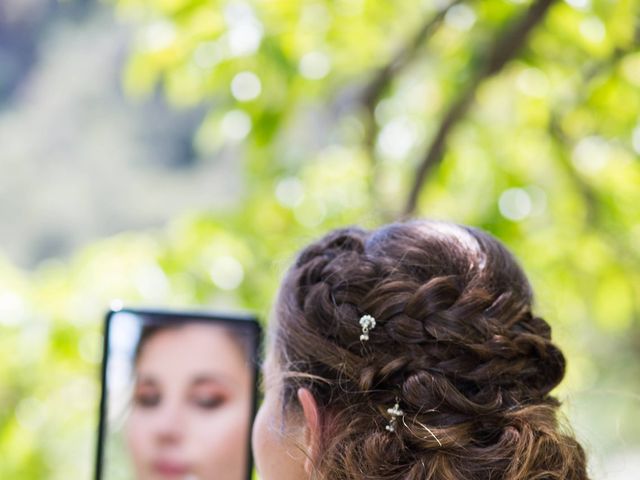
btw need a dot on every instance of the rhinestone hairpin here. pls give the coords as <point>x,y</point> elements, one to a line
<point>395,412</point>
<point>367,322</point>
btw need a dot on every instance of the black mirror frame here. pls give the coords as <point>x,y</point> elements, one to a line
<point>168,315</point>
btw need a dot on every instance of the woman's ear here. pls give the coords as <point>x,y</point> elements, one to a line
<point>312,427</point>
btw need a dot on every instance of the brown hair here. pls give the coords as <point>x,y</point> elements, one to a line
<point>455,343</point>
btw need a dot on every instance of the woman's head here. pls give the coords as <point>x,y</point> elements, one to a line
<point>456,344</point>
<point>191,403</point>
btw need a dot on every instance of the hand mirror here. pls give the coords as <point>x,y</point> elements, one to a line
<point>178,396</point>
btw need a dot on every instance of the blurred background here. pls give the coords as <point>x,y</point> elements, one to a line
<point>178,152</point>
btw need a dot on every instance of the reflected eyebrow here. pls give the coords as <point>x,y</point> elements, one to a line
<point>224,381</point>
<point>145,378</point>
<point>211,378</point>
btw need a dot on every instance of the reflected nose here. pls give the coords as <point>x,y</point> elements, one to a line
<point>169,423</point>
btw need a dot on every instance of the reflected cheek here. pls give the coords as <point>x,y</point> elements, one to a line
<point>138,438</point>
<point>140,424</point>
<point>224,432</point>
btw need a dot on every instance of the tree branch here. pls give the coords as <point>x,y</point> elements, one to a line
<point>505,48</point>
<point>369,95</point>
<point>373,91</point>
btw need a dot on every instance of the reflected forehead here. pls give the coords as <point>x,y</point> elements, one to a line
<point>203,339</point>
<point>193,351</point>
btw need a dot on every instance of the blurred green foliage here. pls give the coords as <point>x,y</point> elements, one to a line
<point>546,158</point>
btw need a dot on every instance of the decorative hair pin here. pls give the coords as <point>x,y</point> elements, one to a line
<point>367,322</point>
<point>395,412</point>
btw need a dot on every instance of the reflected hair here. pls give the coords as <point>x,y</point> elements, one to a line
<point>241,335</point>
<point>455,341</point>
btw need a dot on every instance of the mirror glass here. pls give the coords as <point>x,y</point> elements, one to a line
<point>178,396</point>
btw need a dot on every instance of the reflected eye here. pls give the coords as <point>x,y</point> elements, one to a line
<point>209,402</point>
<point>147,401</point>
<point>147,397</point>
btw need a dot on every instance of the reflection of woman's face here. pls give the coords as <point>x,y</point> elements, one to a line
<point>191,406</point>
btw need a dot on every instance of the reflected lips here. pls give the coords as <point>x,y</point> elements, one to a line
<point>171,469</point>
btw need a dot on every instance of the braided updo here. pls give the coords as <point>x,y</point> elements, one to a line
<point>455,343</point>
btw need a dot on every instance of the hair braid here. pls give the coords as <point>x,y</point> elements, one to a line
<point>455,341</point>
